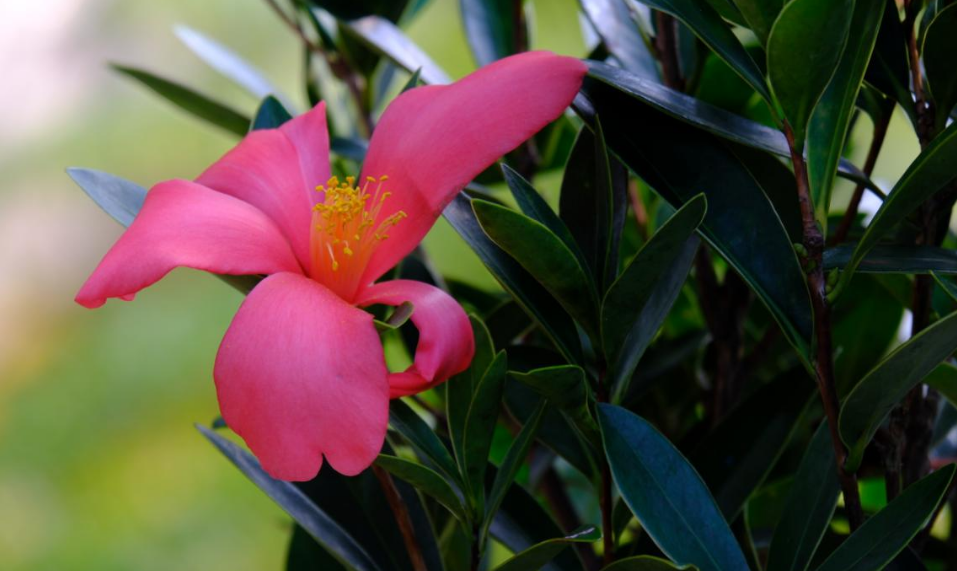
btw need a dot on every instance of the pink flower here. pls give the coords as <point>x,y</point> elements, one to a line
<point>300,372</point>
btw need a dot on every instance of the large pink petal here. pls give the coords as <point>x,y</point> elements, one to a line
<point>264,170</point>
<point>300,374</point>
<point>310,136</point>
<point>446,344</point>
<point>183,224</point>
<point>433,140</point>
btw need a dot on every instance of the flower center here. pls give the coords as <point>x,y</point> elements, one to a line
<point>346,227</point>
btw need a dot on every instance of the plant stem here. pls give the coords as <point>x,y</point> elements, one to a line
<point>402,518</point>
<point>553,489</point>
<point>666,46</point>
<point>877,141</point>
<point>823,361</point>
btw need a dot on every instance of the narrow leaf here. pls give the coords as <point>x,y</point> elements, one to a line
<point>886,534</point>
<point>490,27</point>
<point>190,101</point>
<point>873,398</point>
<point>479,426</point>
<point>411,426</point>
<point>385,37</point>
<point>619,31</point>
<point>760,15</point>
<point>118,197</point>
<point>666,494</point>
<point>226,62</point>
<point>645,563</point>
<point>538,555</point>
<point>940,44</point>
<point>270,115</point>
<point>893,259</point>
<point>426,480</point>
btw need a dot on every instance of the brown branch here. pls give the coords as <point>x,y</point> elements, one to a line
<point>402,518</point>
<point>877,141</point>
<point>666,42</point>
<point>823,361</point>
<point>638,207</point>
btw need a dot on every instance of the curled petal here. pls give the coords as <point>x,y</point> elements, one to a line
<point>432,141</point>
<point>446,344</point>
<point>300,374</point>
<point>183,224</point>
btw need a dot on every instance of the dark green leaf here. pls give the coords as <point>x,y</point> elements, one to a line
<point>889,69</point>
<point>705,116</point>
<point>735,458</point>
<point>873,398</point>
<point>932,169</point>
<point>411,426</point>
<point>895,259</point>
<point>708,25</point>
<point>226,62</point>
<point>270,115</point>
<point>490,27</point>
<point>619,31</point>
<point>461,388</point>
<point>510,465</point>
<point>666,494</point>
<point>534,206</point>
<point>118,197</point>
<point>386,38</point>
<point>190,101</point>
<point>479,426</point>
<point>804,48</point>
<point>352,149</point>
<point>645,563</point>
<point>809,506</point>
<point>545,256</point>
<point>320,526</point>
<point>593,203</point>
<point>534,299</point>
<point>740,223</point>
<point>538,555</point>
<point>563,385</point>
<point>883,536</point>
<point>427,481</point>
<point>940,45</point>
<point>413,80</point>
<point>636,304</point>
<point>760,15</point>
<point>351,9</point>
<point>400,315</point>
<point>831,118</point>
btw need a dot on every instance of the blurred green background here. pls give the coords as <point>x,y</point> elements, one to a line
<point>100,466</point>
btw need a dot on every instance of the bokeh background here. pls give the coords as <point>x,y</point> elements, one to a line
<point>100,466</point>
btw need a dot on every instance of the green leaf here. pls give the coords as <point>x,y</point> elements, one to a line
<point>400,315</point>
<point>270,115</point>
<point>534,206</point>
<point>426,480</point>
<point>479,426</point>
<point>645,563</point>
<point>666,494</point>
<point>118,197</point>
<point>563,385</point>
<point>545,256</point>
<point>533,298</point>
<point>619,31</point>
<point>636,304</point>
<point>892,259</point>
<point>704,116</point>
<point>351,9</point>
<point>490,27</point>
<point>386,38</point>
<point>940,44</point>
<point>349,148</point>
<point>830,121</point>
<point>538,555</point>
<point>592,203</point>
<point>809,506</point>
<point>304,554</point>
<point>886,534</point>
<point>460,388</point>
<point>760,15</point>
<point>873,398</point>
<point>740,223</point>
<point>190,101</point>
<point>736,457</point>
<point>804,48</point>
<point>226,62</point>
<point>413,80</point>
<point>932,169</point>
<point>294,502</point>
<point>707,24</point>
<point>410,425</point>
<point>514,459</point>
<point>889,71</point>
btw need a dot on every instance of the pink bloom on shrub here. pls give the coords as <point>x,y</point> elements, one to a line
<point>300,373</point>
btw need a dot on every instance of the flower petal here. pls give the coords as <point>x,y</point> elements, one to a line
<point>432,141</point>
<point>183,224</point>
<point>446,344</point>
<point>264,170</point>
<point>300,374</point>
<point>310,136</point>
